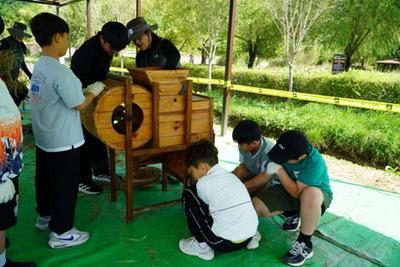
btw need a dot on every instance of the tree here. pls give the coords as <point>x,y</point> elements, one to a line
<point>294,19</point>
<point>367,25</point>
<point>75,15</point>
<point>171,24</point>
<point>116,10</point>
<point>257,32</point>
<point>208,22</point>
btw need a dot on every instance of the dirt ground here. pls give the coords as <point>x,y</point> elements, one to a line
<point>365,175</point>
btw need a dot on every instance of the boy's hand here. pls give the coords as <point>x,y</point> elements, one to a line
<point>273,168</point>
<point>95,88</point>
<point>7,191</point>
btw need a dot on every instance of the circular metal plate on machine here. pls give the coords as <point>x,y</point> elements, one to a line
<point>146,177</point>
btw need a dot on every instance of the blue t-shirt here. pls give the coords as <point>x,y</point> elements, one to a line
<point>55,91</point>
<point>311,171</point>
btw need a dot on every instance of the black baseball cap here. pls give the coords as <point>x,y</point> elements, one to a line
<point>290,145</point>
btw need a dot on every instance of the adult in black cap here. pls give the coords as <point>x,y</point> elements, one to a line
<point>154,51</point>
<point>10,162</point>
<point>90,63</point>
<point>15,43</point>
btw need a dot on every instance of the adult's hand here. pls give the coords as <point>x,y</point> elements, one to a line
<point>95,88</point>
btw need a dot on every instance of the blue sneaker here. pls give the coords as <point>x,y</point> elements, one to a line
<point>73,237</point>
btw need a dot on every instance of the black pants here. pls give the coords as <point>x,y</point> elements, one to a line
<point>9,210</point>
<point>200,222</point>
<point>93,156</point>
<point>56,181</point>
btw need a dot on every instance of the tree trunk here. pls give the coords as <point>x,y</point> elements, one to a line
<point>349,51</point>
<point>203,56</point>
<point>253,51</point>
<point>291,67</point>
<point>209,72</point>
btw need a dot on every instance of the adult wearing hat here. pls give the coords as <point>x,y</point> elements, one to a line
<point>10,163</point>
<point>15,43</point>
<point>154,51</point>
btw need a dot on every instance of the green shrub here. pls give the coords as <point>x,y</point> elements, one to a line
<point>129,62</point>
<point>356,84</point>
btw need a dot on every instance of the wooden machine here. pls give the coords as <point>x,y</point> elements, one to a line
<point>161,121</point>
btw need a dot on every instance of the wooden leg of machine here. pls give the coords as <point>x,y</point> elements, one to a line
<point>132,165</point>
<point>113,177</point>
<point>129,159</point>
<point>164,177</point>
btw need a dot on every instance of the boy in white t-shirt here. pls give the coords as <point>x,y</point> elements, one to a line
<point>10,159</point>
<point>56,99</point>
<point>218,207</point>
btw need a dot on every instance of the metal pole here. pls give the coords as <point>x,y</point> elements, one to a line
<point>58,11</point>
<point>88,19</point>
<point>228,67</point>
<point>138,8</point>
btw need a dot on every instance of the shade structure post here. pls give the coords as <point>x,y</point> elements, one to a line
<point>138,8</point>
<point>88,19</point>
<point>228,67</point>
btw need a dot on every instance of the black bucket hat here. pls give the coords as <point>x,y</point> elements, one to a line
<point>138,26</point>
<point>18,30</point>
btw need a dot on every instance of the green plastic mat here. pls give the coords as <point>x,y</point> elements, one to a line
<point>360,229</point>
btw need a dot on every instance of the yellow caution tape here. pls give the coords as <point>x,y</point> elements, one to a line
<point>207,81</point>
<point>347,102</point>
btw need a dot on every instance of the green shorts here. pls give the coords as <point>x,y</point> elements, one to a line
<point>276,198</point>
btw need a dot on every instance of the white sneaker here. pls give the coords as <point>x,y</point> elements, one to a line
<point>105,178</point>
<point>255,241</point>
<point>190,246</point>
<point>42,223</point>
<point>73,237</point>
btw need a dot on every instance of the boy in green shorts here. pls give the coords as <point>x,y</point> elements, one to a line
<point>253,157</point>
<point>304,187</point>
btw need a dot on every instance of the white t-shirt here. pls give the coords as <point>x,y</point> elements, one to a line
<point>229,203</point>
<point>55,91</point>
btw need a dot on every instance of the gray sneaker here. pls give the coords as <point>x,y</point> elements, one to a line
<point>190,246</point>
<point>73,237</point>
<point>42,223</point>
<point>105,178</point>
<point>292,223</point>
<point>298,254</point>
